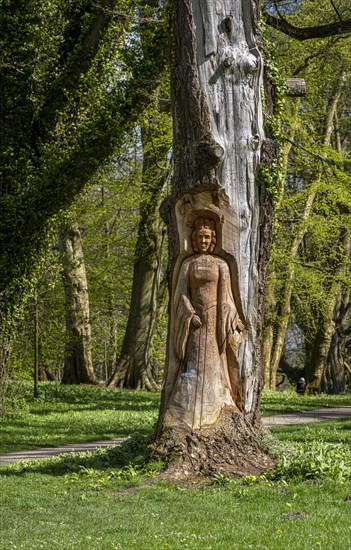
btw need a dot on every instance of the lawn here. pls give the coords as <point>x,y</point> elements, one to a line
<point>112,499</point>
<point>73,414</point>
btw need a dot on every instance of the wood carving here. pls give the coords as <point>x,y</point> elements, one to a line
<point>206,333</point>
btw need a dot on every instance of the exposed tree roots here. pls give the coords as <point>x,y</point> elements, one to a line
<point>232,447</point>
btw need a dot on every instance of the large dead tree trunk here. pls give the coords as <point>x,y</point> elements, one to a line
<point>78,365</point>
<point>209,418</point>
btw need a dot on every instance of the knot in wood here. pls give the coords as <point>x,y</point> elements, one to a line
<point>228,24</point>
<point>228,61</point>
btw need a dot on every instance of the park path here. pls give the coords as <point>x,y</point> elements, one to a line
<point>48,452</point>
<point>306,417</point>
<point>286,419</point>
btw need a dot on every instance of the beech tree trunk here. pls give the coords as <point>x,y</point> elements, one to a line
<point>285,304</point>
<point>321,349</point>
<point>5,350</point>
<point>78,364</point>
<point>217,115</point>
<point>134,367</point>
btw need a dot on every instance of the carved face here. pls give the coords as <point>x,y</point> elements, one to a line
<point>204,239</point>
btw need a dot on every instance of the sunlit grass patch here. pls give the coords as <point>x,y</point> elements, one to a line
<point>74,414</point>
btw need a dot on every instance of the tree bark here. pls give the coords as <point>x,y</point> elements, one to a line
<point>217,116</point>
<point>5,350</point>
<point>339,351</point>
<point>78,364</point>
<point>36,343</point>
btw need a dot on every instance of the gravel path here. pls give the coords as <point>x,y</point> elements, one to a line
<point>305,417</point>
<point>48,452</point>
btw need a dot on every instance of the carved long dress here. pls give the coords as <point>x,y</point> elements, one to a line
<point>203,385</point>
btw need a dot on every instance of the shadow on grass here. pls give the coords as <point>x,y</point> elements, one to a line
<point>133,452</point>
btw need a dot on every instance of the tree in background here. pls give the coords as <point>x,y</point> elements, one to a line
<point>78,361</point>
<point>135,366</point>
<point>67,99</point>
<point>310,261</point>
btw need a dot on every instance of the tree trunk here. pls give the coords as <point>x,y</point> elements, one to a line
<point>134,367</point>
<point>78,365</point>
<point>269,374</point>
<point>338,355</point>
<point>320,348</point>
<point>5,350</point>
<point>268,336</point>
<point>326,333</point>
<point>335,361</point>
<point>36,343</point>
<point>285,308</point>
<point>209,419</point>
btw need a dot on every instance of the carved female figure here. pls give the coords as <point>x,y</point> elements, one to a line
<point>206,332</point>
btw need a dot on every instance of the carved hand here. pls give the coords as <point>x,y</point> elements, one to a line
<point>240,326</point>
<point>196,321</point>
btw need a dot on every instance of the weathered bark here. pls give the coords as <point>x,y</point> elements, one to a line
<point>216,82</point>
<point>284,306</point>
<point>134,367</point>
<point>78,365</point>
<point>296,87</point>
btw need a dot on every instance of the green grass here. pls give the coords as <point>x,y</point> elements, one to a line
<point>111,499</point>
<point>273,403</point>
<point>82,502</point>
<point>73,414</point>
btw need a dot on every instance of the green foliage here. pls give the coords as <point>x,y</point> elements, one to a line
<point>270,175</point>
<point>317,170</point>
<point>316,460</point>
<point>68,92</point>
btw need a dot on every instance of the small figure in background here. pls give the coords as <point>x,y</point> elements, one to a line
<point>300,386</point>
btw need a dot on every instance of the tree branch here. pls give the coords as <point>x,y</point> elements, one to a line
<point>77,57</point>
<point>307,33</point>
